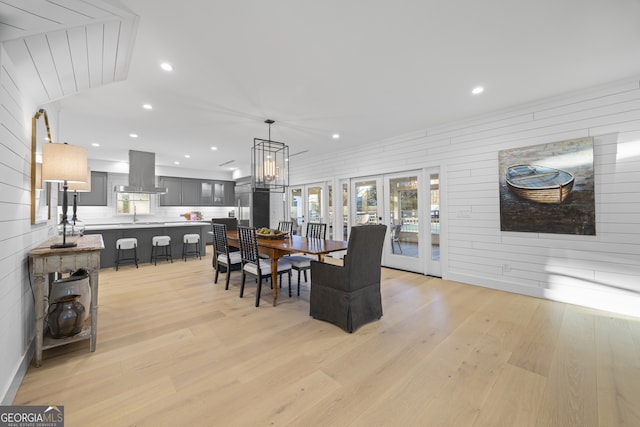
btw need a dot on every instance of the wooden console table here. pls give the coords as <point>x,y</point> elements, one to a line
<point>45,261</point>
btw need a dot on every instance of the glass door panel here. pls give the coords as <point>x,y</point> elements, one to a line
<point>366,203</point>
<point>331,215</point>
<point>404,216</point>
<point>402,205</point>
<point>296,210</point>
<point>345,209</point>
<point>314,203</point>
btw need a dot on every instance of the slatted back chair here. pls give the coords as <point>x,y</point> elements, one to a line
<point>302,263</point>
<point>255,266</point>
<point>222,256</point>
<point>317,230</point>
<point>285,226</point>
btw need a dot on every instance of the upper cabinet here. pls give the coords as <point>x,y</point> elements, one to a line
<point>196,192</point>
<point>96,197</point>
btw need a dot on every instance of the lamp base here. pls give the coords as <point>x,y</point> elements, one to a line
<point>64,245</point>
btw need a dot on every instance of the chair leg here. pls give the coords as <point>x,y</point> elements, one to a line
<point>215,279</point>
<point>244,276</point>
<point>258,291</point>
<point>135,255</point>
<point>226,287</point>
<point>305,276</point>
<point>117,258</point>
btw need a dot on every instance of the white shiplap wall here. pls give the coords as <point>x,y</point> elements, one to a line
<point>601,271</point>
<point>17,235</point>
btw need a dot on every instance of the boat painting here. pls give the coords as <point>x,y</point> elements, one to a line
<point>539,184</point>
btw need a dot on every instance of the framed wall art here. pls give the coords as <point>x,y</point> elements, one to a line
<point>548,188</point>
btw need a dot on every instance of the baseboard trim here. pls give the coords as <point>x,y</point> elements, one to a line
<point>10,395</point>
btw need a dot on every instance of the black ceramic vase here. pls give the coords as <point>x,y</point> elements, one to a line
<point>65,316</point>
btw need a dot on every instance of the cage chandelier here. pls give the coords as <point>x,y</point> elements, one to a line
<point>269,164</point>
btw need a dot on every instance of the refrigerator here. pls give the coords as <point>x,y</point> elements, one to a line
<point>252,206</point>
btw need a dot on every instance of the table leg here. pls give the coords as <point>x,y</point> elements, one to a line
<point>93,281</point>
<point>40,304</point>
<point>274,278</point>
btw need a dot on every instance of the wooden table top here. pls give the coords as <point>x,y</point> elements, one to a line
<point>89,242</point>
<point>294,244</point>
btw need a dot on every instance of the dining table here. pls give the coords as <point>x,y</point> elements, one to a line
<point>276,248</point>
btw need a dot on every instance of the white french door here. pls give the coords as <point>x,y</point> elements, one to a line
<point>307,203</point>
<point>404,248</point>
<point>408,203</point>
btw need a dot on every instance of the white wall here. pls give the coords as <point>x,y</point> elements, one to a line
<point>601,271</point>
<point>17,235</point>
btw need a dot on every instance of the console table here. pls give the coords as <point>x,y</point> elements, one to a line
<point>44,262</point>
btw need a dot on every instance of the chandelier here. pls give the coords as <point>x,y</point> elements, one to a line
<point>270,164</point>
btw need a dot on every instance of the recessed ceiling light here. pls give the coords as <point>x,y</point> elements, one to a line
<point>147,106</point>
<point>95,144</point>
<point>214,148</point>
<point>187,156</point>
<point>166,66</point>
<point>133,135</point>
<point>335,136</point>
<point>477,90</point>
<point>176,163</point>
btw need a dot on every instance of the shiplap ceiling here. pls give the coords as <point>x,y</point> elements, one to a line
<point>65,47</point>
<point>366,69</point>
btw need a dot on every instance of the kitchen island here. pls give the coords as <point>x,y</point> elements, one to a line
<point>144,232</point>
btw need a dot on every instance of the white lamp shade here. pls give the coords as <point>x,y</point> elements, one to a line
<point>64,162</point>
<point>81,187</point>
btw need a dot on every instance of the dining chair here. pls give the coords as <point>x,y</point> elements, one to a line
<point>232,224</point>
<point>222,256</point>
<point>395,238</point>
<point>285,226</point>
<point>255,266</point>
<point>349,295</point>
<point>302,263</point>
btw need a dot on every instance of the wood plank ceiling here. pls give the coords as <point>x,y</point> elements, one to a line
<point>63,47</point>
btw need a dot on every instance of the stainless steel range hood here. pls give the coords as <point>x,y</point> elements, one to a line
<point>142,174</point>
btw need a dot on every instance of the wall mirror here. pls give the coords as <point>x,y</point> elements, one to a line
<point>40,191</point>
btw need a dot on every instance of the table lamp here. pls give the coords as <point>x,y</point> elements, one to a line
<point>77,226</point>
<point>64,163</point>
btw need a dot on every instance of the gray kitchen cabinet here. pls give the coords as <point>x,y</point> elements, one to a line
<point>196,192</point>
<point>191,192</point>
<point>229,198</point>
<point>96,197</point>
<point>173,196</point>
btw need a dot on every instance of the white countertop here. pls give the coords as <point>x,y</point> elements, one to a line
<point>145,224</point>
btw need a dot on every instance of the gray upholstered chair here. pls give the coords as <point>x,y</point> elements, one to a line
<point>349,296</point>
<point>223,258</point>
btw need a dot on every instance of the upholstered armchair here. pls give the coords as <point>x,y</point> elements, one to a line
<point>349,296</point>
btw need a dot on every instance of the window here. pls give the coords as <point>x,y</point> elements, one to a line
<point>130,203</point>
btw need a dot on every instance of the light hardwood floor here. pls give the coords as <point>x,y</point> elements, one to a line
<point>174,349</point>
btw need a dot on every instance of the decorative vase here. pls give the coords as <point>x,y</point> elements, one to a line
<point>76,284</point>
<point>65,316</point>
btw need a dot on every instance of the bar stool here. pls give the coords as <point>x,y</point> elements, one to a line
<point>191,239</point>
<point>126,244</point>
<point>160,249</point>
